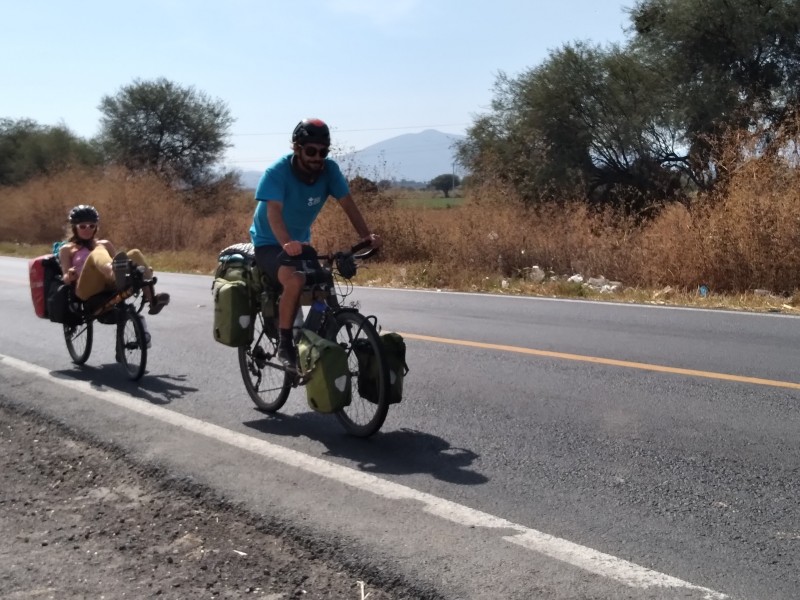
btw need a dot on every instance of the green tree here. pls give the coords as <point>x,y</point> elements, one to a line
<point>732,59</point>
<point>446,183</point>
<point>588,122</point>
<point>732,65</point>
<point>177,132</point>
<point>641,124</point>
<point>28,149</point>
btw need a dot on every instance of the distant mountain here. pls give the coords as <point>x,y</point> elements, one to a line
<point>411,157</point>
<point>249,179</point>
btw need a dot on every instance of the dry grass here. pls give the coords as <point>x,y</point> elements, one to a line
<point>737,243</point>
<point>135,212</point>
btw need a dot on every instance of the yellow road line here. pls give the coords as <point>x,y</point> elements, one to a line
<point>605,361</point>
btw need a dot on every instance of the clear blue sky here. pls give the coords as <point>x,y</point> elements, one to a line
<point>373,69</point>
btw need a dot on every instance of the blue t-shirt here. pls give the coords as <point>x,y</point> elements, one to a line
<point>301,201</point>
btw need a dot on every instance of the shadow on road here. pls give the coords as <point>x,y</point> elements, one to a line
<point>399,452</point>
<point>157,389</point>
<point>407,451</point>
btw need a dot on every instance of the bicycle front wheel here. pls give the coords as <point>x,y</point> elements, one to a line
<point>367,409</point>
<point>131,344</point>
<point>79,341</point>
<point>268,386</point>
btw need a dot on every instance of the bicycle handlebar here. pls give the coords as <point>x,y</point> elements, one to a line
<point>309,253</point>
<point>353,252</point>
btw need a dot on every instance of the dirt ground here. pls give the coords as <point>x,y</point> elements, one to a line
<point>78,520</point>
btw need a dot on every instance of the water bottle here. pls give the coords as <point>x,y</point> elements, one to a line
<point>314,318</point>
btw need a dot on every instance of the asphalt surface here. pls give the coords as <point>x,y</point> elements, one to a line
<point>689,475</point>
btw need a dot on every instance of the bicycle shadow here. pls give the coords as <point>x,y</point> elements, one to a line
<point>161,389</point>
<point>157,389</point>
<point>400,452</point>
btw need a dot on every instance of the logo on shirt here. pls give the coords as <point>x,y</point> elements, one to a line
<point>314,200</point>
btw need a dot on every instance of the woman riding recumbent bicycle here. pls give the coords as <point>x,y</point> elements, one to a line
<point>347,367</point>
<point>111,308</point>
<point>86,279</point>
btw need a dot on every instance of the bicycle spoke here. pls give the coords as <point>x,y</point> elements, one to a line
<point>267,385</point>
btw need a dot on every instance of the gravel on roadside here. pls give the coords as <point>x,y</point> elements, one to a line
<point>79,520</point>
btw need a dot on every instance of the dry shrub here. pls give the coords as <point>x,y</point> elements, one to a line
<point>668,250</point>
<point>497,233</point>
<point>405,234</point>
<point>36,212</point>
<point>493,233</point>
<point>576,238</point>
<point>135,211</point>
<point>746,238</point>
<point>753,233</point>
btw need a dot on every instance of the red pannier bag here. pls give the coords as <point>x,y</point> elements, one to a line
<point>43,272</point>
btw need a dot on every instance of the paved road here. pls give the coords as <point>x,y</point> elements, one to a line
<point>553,449</point>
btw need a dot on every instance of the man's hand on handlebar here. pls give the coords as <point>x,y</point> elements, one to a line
<point>293,248</point>
<point>374,240</point>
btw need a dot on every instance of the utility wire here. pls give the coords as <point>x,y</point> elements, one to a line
<point>361,130</point>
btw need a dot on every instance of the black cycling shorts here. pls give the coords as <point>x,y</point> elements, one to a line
<point>267,261</point>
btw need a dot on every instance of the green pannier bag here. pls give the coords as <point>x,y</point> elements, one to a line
<point>235,291</point>
<point>324,364</point>
<point>238,263</point>
<point>233,314</point>
<point>232,268</point>
<point>394,350</point>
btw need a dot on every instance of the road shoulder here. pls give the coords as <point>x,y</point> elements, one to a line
<point>80,520</point>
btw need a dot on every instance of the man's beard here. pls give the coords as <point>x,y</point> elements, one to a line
<point>314,167</point>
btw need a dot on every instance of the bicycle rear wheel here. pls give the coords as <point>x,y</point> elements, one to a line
<point>362,417</point>
<point>79,341</point>
<point>268,386</point>
<point>131,343</point>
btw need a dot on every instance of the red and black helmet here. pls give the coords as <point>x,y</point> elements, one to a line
<point>313,131</point>
<point>84,213</point>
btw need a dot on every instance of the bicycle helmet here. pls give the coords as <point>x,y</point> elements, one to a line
<point>313,131</point>
<point>83,213</point>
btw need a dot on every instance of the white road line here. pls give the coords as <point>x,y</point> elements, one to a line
<point>599,563</point>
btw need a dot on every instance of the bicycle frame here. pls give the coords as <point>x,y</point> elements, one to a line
<point>326,290</point>
<point>132,338</point>
<point>342,324</point>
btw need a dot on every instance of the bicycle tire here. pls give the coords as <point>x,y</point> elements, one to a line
<point>361,418</point>
<point>79,340</point>
<point>267,386</point>
<point>131,351</point>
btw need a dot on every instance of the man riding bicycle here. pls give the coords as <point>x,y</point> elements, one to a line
<point>289,198</point>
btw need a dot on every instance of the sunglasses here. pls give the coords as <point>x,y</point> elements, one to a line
<point>311,151</point>
<point>86,225</point>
